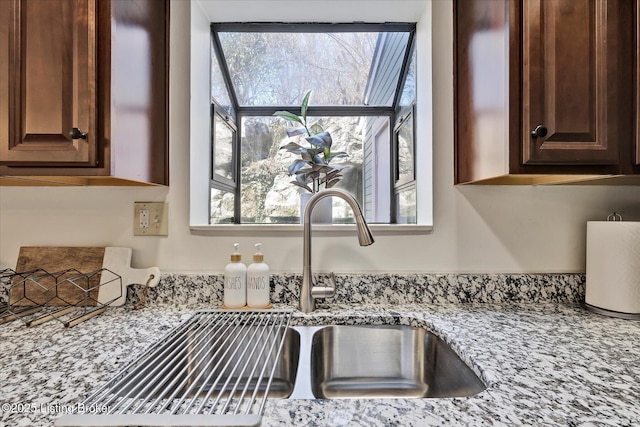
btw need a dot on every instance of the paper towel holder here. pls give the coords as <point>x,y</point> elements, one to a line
<point>610,313</point>
<point>603,283</point>
<point>614,217</point>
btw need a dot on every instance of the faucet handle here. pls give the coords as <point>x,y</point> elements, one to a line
<point>325,291</point>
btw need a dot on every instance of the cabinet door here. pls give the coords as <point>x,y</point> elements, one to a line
<point>49,84</point>
<point>569,83</point>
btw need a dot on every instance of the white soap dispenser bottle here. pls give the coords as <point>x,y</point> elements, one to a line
<point>258,281</point>
<point>235,281</point>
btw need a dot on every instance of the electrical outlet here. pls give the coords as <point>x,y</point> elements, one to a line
<point>150,219</point>
<point>144,218</point>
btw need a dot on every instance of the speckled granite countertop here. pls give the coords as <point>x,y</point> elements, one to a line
<point>547,363</point>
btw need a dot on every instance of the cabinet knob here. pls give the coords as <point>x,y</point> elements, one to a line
<point>539,132</point>
<point>76,133</point>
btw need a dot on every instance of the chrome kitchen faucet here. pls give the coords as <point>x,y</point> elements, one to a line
<point>309,292</point>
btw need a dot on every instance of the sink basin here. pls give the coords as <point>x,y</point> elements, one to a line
<point>386,361</point>
<point>316,362</point>
<point>200,373</point>
<point>205,365</point>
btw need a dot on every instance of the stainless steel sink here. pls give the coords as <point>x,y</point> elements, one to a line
<point>220,364</point>
<point>386,361</point>
<point>316,362</point>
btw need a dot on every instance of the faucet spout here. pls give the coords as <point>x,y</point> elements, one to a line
<point>365,238</point>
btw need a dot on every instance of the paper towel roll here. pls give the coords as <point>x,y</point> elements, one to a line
<point>613,265</point>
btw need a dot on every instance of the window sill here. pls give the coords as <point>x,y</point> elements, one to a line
<point>335,229</point>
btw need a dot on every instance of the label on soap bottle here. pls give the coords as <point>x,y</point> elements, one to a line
<point>235,290</point>
<point>235,281</point>
<point>257,286</point>
<point>258,281</point>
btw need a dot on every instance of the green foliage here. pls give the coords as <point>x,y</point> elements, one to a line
<point>312,170</point>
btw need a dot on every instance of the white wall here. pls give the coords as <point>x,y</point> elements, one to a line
<point>476,229</point>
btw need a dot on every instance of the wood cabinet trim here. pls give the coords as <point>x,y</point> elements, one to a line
<point>515,109</point>
<point>477,27</point>
<point>637,74</point>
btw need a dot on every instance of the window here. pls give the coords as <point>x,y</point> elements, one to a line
<point>362,79</point>
<point>382,200</point>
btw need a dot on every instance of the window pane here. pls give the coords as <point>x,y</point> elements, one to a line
<point>406,203</point>
<point>377,167</point>
<point>279,68</point>
<point>222,149</point>
<point>219,92</point>
<point>222,207</point>
<point>267,194</point>
<point>264,197</point>
<point>408,95</point>
<point>405,150</point>
<point>386,70</point>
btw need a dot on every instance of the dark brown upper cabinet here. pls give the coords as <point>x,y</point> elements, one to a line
<point>544,90</point>
<point>52,84</point>
<point>570,92</point>
<point>83,89</point>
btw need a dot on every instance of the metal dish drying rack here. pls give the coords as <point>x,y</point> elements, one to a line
<point>38,296</point>
<point>214,369</point>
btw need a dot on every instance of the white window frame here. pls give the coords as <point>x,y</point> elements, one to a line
<point>199,135</point>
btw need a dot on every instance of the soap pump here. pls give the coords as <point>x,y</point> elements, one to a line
<point>235,281</point>
<point>258,281</point>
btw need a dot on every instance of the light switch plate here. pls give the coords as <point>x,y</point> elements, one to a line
<point>150,219</point>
